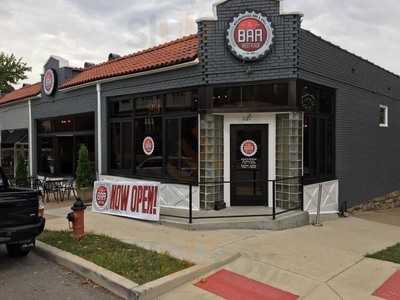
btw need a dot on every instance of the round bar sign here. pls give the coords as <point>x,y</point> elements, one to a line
<point>249,148</point>
<point>49,82</point>
<point>250,36</point>
<point>148,146</point>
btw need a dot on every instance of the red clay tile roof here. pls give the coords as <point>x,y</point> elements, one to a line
<point>22,93</point>
<point>172,53</point>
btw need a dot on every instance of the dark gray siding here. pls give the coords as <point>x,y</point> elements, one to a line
<point>367,156</point>
<point>14,116</point>
<point>220,66</point>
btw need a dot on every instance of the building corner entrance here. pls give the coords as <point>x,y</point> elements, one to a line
<point>249,165</point>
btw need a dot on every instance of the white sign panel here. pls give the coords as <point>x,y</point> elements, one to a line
<point>139,200</point>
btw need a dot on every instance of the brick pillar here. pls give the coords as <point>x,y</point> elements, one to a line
<point>211,160</point>
<point>289,159</point>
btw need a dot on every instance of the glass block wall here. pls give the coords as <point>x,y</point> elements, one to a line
<point>289,159</point>
<point>211,160</point>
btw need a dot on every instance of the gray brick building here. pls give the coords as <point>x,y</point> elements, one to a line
<point>250,109</point>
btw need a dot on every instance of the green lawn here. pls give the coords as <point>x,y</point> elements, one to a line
<point>132,262</point>
<point>391,254</point>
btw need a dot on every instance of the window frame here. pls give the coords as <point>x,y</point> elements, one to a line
<point>385,124</point>
<point>164,115</point>
<point>319,118</point>
<point>53,135</point>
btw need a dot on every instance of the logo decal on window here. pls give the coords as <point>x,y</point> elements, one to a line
<point>249,148</point>
<point>148,146</point>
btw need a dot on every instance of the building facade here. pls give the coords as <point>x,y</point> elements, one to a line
<point>250,106</point>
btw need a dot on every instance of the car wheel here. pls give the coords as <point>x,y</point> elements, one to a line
<point>18,250</point>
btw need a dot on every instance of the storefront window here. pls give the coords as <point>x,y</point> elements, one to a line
<point>162,141</point>
<point>251,95</point>
<point>115,137</point>
<point>59,141</point>
<point>150,162</point>
<point>318,104</point>
<point>182,101</point>
<point>148,105</point>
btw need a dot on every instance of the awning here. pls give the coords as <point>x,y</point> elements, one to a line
<point>12,137</point>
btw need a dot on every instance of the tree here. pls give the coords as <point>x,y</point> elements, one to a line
<point>84,174</point>
<point>12,70</point>
<point>21,172</point>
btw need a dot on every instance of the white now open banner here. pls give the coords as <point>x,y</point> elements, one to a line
<point>132,200</point>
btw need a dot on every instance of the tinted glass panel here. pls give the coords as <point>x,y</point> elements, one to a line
<point>149,105</point>
<point>251,95</point>
<point>121,107</point>
<point>127,149</point>
<point>116,146</point>
<point>150,163</point>
<point>319,132</point>
<point>63,125</point>
<point>181,101</point>
<point>44,126</point>
<point>46,155</point>
<point>189,138</point>
<point>173,168</point>
<point>84,123</point>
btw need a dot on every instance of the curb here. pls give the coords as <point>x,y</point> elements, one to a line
<point>121,286</point>
<point>115,283</point>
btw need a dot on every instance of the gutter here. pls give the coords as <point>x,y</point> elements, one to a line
<point>134,75</point>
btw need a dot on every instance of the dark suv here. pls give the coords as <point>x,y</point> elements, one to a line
<point>20,222</point>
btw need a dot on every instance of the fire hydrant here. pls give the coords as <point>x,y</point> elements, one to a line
<point>77,219</point>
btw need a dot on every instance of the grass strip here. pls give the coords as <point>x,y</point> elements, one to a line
<point>135,263</point>
<point>391,254</point>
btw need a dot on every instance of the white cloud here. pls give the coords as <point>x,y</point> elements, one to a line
<point>88,30</point>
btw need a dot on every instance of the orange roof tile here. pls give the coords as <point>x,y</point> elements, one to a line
<point>22,93</point>
<point>172,53</point>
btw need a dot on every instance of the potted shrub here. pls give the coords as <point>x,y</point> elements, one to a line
<point>21,172</point>
<point>84,176</point>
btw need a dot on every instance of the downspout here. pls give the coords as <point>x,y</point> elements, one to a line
<point>30,137</point>
<point>99,131</point>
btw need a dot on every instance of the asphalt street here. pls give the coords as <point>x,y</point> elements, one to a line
<point>34,278</point>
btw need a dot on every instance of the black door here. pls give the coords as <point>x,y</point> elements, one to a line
<point>249,165</point>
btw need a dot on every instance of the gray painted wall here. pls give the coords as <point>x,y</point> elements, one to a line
<point>367,156</point>
<point>14,116</point>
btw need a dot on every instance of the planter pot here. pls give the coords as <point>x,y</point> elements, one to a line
<point>85,194</point>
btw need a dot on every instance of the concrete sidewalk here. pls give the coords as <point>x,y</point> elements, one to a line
<point>312,262</point>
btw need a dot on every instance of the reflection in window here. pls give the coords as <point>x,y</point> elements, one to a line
<point>115,145</point>
<point>59,140</point>
<point>46,158</point>
<point>168,122</point>
<point>318,104</point>
<point>251,95</point>
<point>150,165</point>
<point>189,140</point>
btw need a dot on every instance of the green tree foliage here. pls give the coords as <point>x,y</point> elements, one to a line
<point>12,70</point>
<point>21,173</point>
<point>84,174</point>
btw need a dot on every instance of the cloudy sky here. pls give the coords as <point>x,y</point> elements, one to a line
<point>87,30</point>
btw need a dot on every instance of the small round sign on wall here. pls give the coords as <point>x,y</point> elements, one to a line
<point>250,36</point>
<point>148,146</point>
<point>49,82</point>
<point>249,148</point>
<point>101,196</point>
